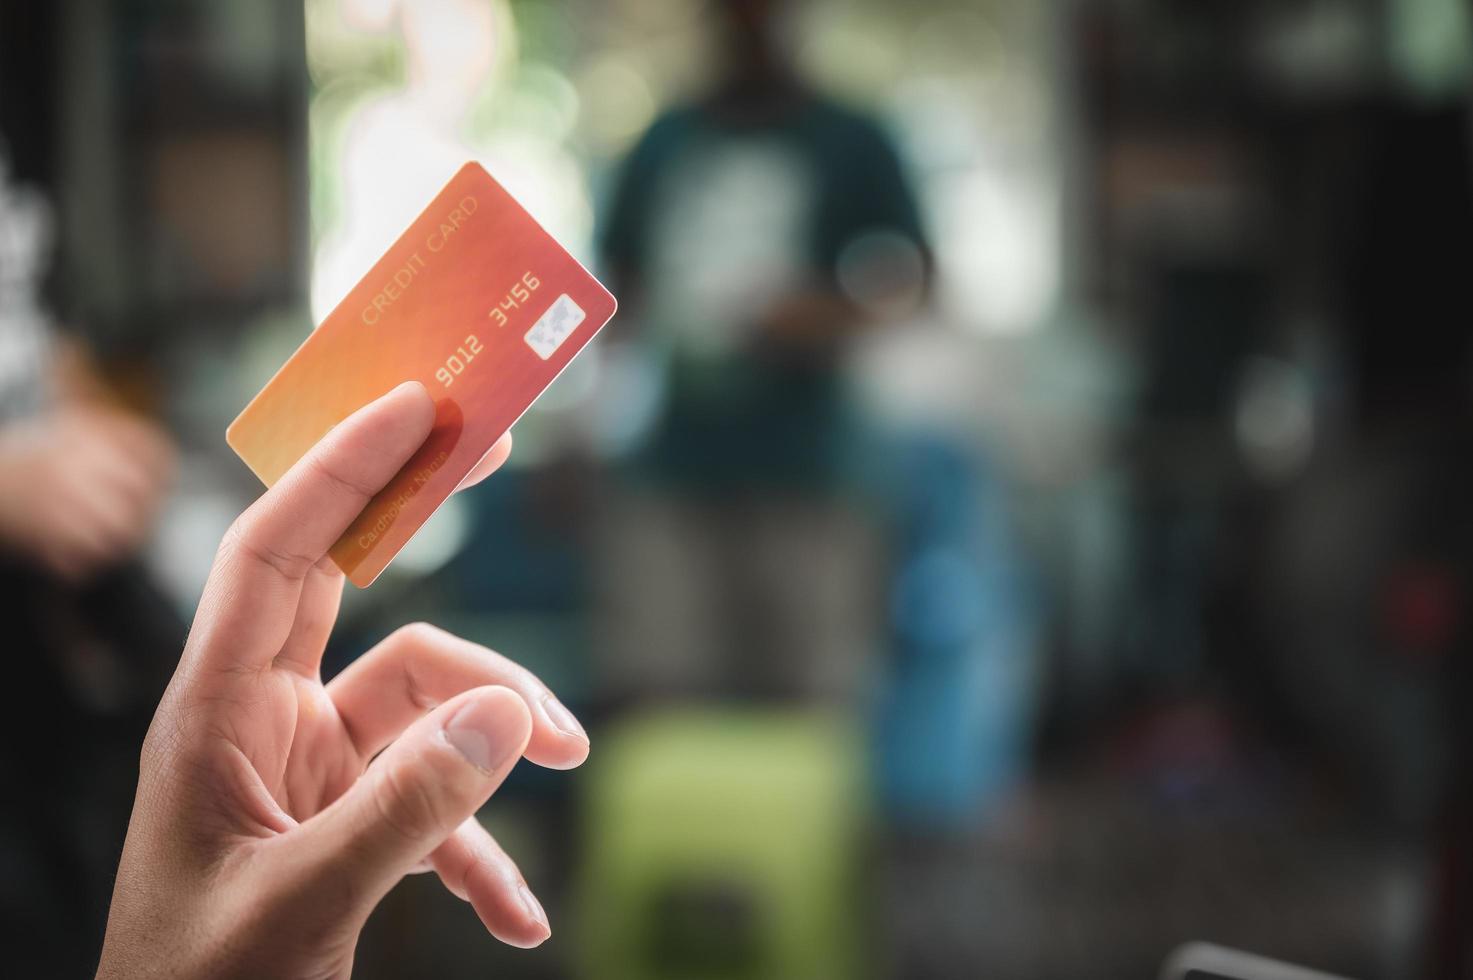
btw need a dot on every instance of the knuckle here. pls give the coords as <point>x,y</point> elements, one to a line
<point>457,872</point>
<point>417,634</point>
<point>407,806</point>
<point>235,534</point>
<point>244,542</point>
<point>415,692</point>
<point>347,483</point>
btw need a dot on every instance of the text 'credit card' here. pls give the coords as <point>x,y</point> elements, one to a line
<point>477,302</point>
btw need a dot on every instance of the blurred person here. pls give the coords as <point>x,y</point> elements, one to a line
<point>274,811</point>
<point>753,235</point>
<point>81,483</point>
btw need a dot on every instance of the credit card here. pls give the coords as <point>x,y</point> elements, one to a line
<point>476,301</point>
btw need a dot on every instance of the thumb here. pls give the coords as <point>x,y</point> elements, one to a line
<point>414,795</point>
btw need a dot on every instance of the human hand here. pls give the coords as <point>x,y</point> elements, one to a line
<point>80,488</point>
<point>273,811</point>
<point>806,325</point>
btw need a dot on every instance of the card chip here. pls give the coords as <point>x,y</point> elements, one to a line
<point>554,326</point>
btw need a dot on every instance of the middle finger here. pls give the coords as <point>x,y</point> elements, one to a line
<point>417,667</point>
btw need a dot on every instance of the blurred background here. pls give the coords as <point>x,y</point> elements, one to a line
<point>1018,521</point>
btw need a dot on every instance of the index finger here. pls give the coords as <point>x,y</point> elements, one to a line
<point>251,598</point>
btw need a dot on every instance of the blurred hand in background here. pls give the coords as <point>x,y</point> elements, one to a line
<point>80,480</point>
<point>807,324</point>
<point>80,488</point>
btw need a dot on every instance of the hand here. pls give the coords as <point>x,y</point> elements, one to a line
<point>79,489</point>
<point>273,812</point>
<point>808,325</point>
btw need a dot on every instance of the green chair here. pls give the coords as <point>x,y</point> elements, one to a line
<point>724,844</point>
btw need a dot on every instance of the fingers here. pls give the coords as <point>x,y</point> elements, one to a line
<point>144,443</point>
<point>475,868</point>
<point>110,499</point>
<point>104,498</point>
<point>250,600</point>
<point>419,666</point>
<point>489,463</point>
<point>322,591</point>
<point>317,612</point>
<point>410,800</point>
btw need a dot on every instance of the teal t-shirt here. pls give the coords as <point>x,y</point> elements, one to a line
<point>710,219</point>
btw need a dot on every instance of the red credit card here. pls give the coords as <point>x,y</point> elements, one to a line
<point>476,301</point>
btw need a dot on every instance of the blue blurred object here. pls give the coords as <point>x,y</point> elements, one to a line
<point>957,703</point>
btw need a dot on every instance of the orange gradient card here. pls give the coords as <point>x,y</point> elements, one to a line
<point>478,303</point>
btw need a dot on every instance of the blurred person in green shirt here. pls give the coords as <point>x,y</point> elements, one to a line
<point>753,236</point>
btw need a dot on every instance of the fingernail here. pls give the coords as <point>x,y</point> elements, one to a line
<point>562,719</point>
<point>411,385</point>
<point>533,907</point>
<point>486,734</point>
